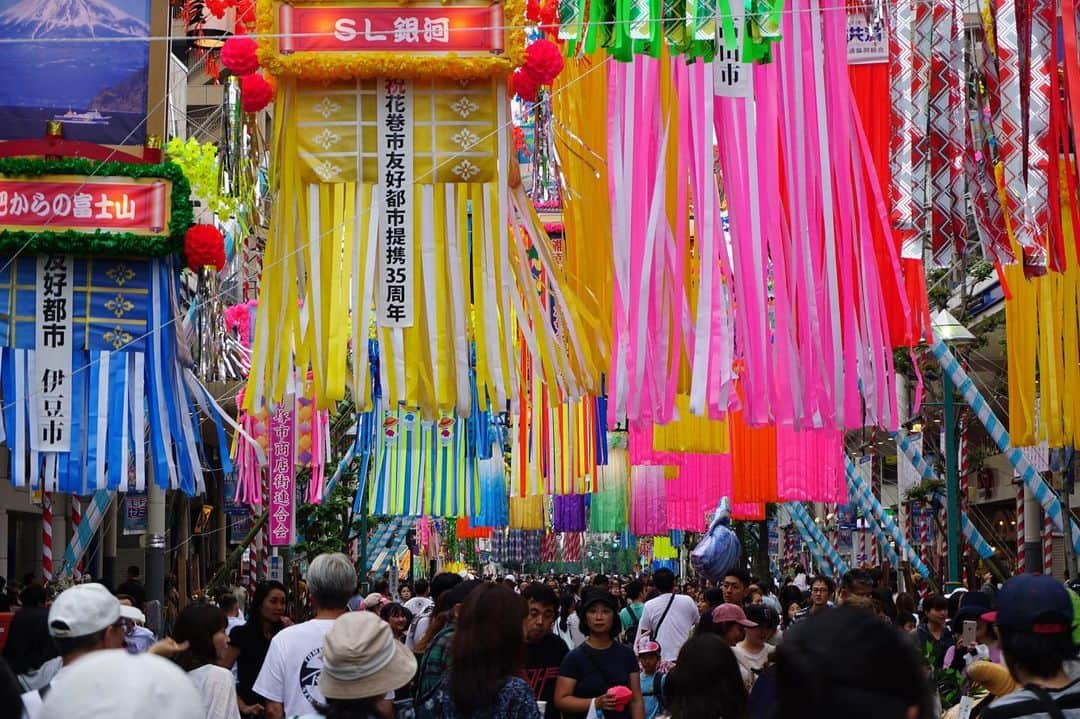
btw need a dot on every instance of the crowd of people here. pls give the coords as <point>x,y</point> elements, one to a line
<point>569,647</point>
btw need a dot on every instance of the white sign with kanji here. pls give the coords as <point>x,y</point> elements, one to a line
<point>731,76</point>
<point>50,389</point>
<point>396,236</point>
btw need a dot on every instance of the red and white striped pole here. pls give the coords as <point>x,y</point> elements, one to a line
<point>46,536</point>
<point>76,519</point>
<point>1048,546</point>
<point>1019,528</point>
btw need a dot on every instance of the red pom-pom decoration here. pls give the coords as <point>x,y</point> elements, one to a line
<point>525,86</point>
<point>549,15</point>
<point>255,92</point>
<point>532,10</point>
<point>544,61</point>
<point>239,55</point>
<point>204,245</point>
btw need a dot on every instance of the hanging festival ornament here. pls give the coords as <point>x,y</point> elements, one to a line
<point>239,55</point>
<point>204,250</point>
<point>256,92</point>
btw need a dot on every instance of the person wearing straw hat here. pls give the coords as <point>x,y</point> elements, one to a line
<point>361,664</point>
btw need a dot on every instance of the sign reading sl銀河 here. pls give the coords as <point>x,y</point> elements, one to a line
<point>331,39</point>
<point>51,405</point>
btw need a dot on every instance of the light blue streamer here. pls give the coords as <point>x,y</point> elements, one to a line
<point>1030,477</point>
<point>886,521</point>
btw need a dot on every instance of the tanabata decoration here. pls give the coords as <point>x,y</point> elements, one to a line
<point>396,207</point>
<point>734,294</point>
<point>90,359</point>
<point>719,550</point>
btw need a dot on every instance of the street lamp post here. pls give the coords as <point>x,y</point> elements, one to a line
<point>949,330</point>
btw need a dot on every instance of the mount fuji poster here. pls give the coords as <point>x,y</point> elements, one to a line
<point>86,63</point>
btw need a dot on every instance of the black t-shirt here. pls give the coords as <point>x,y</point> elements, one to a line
<point>596,671</point>
<point>940,646</point>
<point>542,662</point>
<point>253,646</point>
<point>134,589</point>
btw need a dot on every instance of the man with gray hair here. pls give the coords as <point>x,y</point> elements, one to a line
<point>290,674</point>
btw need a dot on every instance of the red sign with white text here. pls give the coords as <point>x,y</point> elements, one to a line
<point>402,28</point>
<point>108,204</point>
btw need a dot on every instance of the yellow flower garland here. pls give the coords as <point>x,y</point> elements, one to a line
<point>323,66</point>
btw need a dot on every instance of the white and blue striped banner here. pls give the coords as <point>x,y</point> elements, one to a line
<point>799,513</point>
<point>91,522</point>
<point>871,503</point>
<point>808,539</point>
<point>971,534</point>
<point>883,540</point>
<point>1045,496</point>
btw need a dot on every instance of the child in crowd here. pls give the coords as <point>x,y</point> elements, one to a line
<point>652,680</point>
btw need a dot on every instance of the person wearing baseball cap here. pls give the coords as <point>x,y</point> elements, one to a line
<point>652,680</point>
<point>729,622</point>
<point>83,619</point>
<point>1034,620</point>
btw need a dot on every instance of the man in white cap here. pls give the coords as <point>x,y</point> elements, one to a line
<point>118,685</point>
<point>83,619</point>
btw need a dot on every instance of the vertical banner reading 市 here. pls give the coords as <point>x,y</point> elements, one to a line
<point>282,504</point>
<point>51,387</point>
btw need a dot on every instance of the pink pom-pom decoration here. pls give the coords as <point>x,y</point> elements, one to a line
<point>239,55</point>
<point>543,61</point>
<point>255,92</point>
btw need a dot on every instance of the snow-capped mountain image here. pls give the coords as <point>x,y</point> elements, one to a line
<point>70,19</point>
<point>95,84</point>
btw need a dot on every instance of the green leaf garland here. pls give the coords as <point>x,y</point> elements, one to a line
<point>98,243</point>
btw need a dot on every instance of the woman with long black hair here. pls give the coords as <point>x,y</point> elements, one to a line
<point>249,643</point>
<point>706,682</point>
<point>202,627</point>
<point>487,655</point>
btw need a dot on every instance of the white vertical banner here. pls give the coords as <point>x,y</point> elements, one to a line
<point>396,296</point>
<point>50,379</point>
<point>731,76</point>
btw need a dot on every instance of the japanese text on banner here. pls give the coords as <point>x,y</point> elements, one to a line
<point>731,76</point>
<point>51,391</point>
<point>395,105</point>
<point>282,504</point>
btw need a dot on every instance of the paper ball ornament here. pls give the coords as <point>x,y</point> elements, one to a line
<point>543,61</point>
<point>255,92</point>
<point>525,86</point>
<point>239,55</point>
<point>218,8</point>
<point>204,245</point>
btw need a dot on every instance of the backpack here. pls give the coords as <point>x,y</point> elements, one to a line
<point>630,632</point>
<point>657,690</point>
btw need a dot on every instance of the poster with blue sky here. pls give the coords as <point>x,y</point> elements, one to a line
<point>83,62</point>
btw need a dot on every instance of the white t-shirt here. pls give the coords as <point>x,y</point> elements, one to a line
<point>750,662</point>
<point>32,700</point>
<point>290,672</point>
<point>678,623</point>
<point>218,691</point>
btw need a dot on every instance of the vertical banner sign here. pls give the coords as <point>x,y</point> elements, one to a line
<point>731,76</point>
<point>395,106</point>
<point>51,388</point>
<point>282,476</point>
<point>136,512</point>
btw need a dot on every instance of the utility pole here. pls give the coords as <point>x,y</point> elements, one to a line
<point>953,539</point>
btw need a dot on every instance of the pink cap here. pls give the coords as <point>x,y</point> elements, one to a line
<point>731,613</point>
<point>647,646</point>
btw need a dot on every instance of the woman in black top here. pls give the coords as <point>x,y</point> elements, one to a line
<point>590,670</point>
<point>249,643</point>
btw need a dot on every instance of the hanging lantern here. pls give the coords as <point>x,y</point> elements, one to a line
<point>210,23</point>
